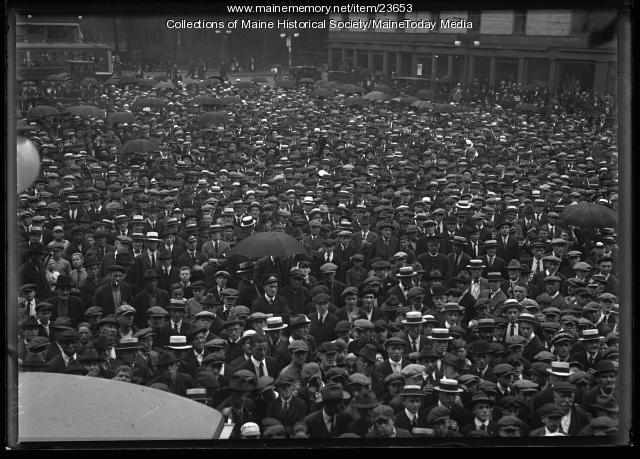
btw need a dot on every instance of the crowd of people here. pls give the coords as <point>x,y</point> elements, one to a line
<point>441,292</point>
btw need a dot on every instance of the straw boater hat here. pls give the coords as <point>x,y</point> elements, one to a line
<point>275,323</point>
<point>440,334</point>
<point>448,385</point>
<point>178,342</point>
<point>413,318</point>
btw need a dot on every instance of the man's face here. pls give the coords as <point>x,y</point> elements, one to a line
<point>412,404</point>
<point>176,314</point>
<point>351,301</point>
<point>512,315</point>
<point>322,307</point>
<point>564,399</point>
<point>525,329</point>
<point>395,352</point>
<point>198,341</point>
<point>185,275</point>
<point>235,331</point>
<point>605,267</point>
<point>126,320</point>
<point>69,347</point>
<point>482,411</point>
<point>519,292</point>
<point>607,381</point>
<point>116,277</point>
<point>552,287</point>
<point>367,302</point>
<point>328,360</point>
<point>271,289</point>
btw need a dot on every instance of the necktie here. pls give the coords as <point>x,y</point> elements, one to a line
<point>199,358</point>
<point>512,330</point>
<point>414,345</point>
<point>475,249</point>
<point>175,326</point>
<point>153,260</point>
<point>215,247</point>
<point>286,406</point>
<point>475,289</point>
<point>414,421</point>
<point>320,320</point>
<point>117,297</point>
<point>333,426</point>
<point>504,241</point>
<point>166,272</point>
<point>483,427</point>
<point>260,370</point>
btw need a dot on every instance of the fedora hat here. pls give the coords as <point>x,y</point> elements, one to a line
<point>448,385</point>
<point>245,267</point>
<point>298,320</point>
<point>480,347</point>
<point>166,358</point>
<point>606,403</point>
<point>365,400</point>
<point>332,391</point>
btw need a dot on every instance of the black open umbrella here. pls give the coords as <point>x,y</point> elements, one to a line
<point>140,146</point>
<point>213,118</point>
<point>151,102</point>
<point>268,243</point>
<point>589,215</point>
<point>41,111</point>
<point>119,117</point>
<point>85,111</point>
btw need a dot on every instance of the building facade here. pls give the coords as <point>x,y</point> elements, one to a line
<point>545,47</point>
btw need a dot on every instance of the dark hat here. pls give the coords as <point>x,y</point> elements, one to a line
<point>605,366</point>
<point>195,329</point>
<point>480,347</point>
<point>118,268</point>
<point>480,397</point>
<point>551,410</point>
<point>64,281</point>
<point>453,361</point>
<point>67,336</point>
<point>298,320</point>
<point>166,358</point>
<point>44,305</point>
<point>368,352</point>
<point>564,386</point>
<point>29,322</point>
<point>606,403</point>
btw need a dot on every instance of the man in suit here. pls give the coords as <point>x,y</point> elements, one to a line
<point>168,273</point>
<point>269,266</point>
<point>483,232</point>
<point>526,323</point>
<point>313,241</point>
<point>148,258</point>
<point>67,341</point>
<point>481,407</point>
<point>386,245</point>
<point>396,359</point>
<point>215,248</point>
<point>329,421</point>
<point>480,351</point>
<point>178,325</point>
<point>123,245</point>
<point>493,262</point>
<point>433,260</point>
<point>494,293</point>
<point>574,418</point>
<point>429,231</point>
<point>477,283</point>
<point>270,302</point>
<point>323,322</point>
<point>326,255</point>
<point>287,408</point>
<point>508,247</point>
<point>192,359</point>
<point>591,355</point>
<point>33,271</point>
<point>475,247</point>
<point>72,216</point>
<point>363,238</point>
<point>112,294</point>
<point>260,363</point>
<point>149,297</point>
<point>447,391</point>
<point>552,225</point>
<point>458,260</point>
<point>65,304</point>
<point>192,258</point>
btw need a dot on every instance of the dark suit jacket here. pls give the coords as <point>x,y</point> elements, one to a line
<point>358,241</point>
<point>30,273</point>
<point>461,265</point>
<point>379,249</point>
<point>164,282</point>
<point>75,312</point>
<point>265,267</point>
<point>318,429</point>
<point>296,412</point>
<point>508,252</point>
<point>584,361</point>
<point>326,331</point>
<point>272,366</point>
<point>402,421</point>
<point>319,260</point>
<point>492,429</point>
<point>103,297</point>
<point>457,413</point>
<point>468,249</point>
<point>440,262</point>
<point>142,303</point>
<point>56,365</point>
<point>189,364</point>
<point>532,348</point>
<point>495,302</point>
<point>499,266</point>
<point>141,264</point>
<point>278,307</point>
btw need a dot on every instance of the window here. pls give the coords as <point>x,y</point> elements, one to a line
<point>520,22</point>
<point>580,22</point>
<point>474,17</point>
